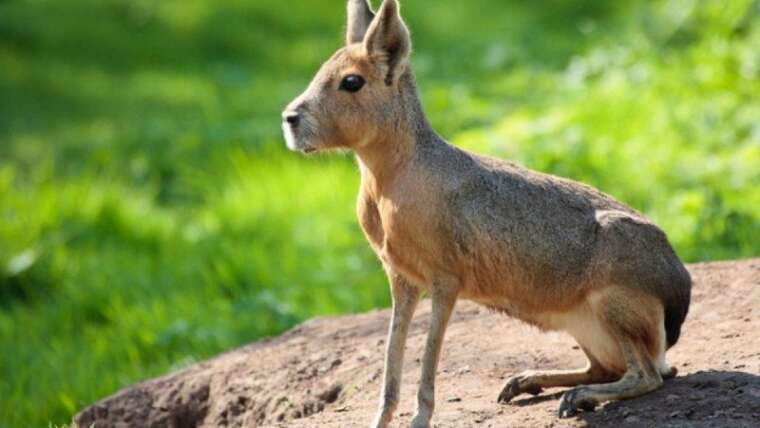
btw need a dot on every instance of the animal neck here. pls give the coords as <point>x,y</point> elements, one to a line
<point>386,157</point>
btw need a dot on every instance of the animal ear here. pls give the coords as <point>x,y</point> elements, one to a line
<point>387,41</point>
<point>360,16</point>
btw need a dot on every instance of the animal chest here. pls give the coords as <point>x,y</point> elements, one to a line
<point>402,237</point>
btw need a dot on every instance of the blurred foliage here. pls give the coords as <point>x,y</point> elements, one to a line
<point>149,216</point>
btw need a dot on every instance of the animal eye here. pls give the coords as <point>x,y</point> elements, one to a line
<point>352,83</point>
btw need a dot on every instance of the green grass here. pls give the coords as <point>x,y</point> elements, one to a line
<point>150,216</point>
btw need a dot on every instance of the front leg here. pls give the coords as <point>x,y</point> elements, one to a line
<point>405,298</point>
<point>443,304</point>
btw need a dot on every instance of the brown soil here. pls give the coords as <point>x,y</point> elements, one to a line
<point>326,372</point>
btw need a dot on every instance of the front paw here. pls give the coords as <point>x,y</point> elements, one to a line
<point>517,385</point>
<point>574,400</point>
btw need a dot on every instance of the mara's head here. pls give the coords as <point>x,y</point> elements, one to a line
<point>358,92</point>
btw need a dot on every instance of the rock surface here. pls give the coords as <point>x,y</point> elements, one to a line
<point>326,372</point>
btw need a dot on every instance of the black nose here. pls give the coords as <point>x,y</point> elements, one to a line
<point>291,117</point>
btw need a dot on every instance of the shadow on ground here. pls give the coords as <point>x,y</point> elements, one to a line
<point>701,399</point>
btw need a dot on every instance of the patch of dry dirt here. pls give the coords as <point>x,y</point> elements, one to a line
<point>326,372</point>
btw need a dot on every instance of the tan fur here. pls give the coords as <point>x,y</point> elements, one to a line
<point>549,251</point>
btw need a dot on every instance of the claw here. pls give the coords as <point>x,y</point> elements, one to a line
<point>567,408</point>
<point>567,412</point>
<point>571,402</point>
<point>513,389</point>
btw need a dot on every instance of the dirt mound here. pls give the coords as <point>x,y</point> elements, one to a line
<point>326,372</point>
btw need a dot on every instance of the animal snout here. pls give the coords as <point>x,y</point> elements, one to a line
<point>291,117</point>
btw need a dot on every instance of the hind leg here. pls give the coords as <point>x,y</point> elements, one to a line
<point>533,382</point>
<point>640,378</point>
<point>634,321</point>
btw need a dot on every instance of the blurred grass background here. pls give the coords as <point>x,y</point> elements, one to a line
<point>150,216</point>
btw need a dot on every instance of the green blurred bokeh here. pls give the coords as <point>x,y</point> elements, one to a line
<point>150,216</point>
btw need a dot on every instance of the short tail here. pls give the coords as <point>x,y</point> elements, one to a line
<point>677,306</point>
